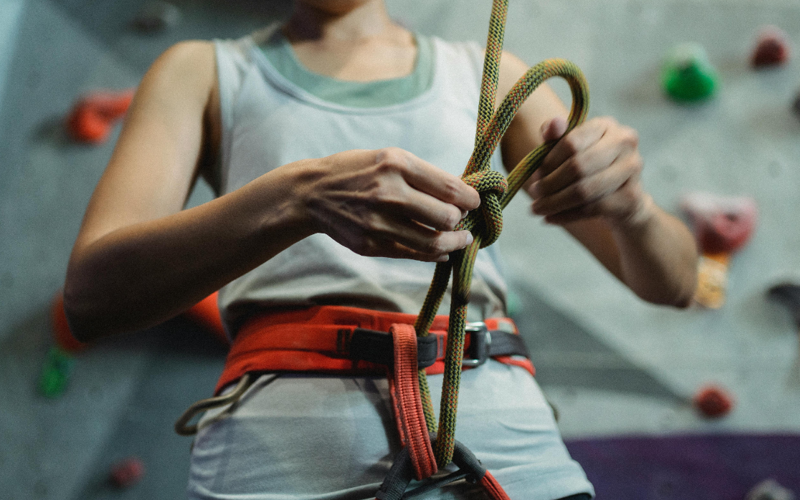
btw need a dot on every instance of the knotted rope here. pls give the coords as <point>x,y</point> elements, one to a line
<point>486,222</point>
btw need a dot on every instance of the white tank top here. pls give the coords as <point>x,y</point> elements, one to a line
<point>267,121</point>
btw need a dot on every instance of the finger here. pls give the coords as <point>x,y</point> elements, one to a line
<point>552,130</point>
<point>579,139</point>
<point>419,238</point>
<point>582,165</point>
<point>434,181</point>
<point>588,190</point>
<point>426,209</point>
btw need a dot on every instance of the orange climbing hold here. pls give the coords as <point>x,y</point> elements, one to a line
<point>206,313</point>
<point>772,48</point>
<point>94,115</point>
<point>713,401</point>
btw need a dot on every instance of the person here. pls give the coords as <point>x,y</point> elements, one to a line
<point>334,143</point>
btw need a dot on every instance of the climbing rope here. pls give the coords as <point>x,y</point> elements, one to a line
<point>485,223</point>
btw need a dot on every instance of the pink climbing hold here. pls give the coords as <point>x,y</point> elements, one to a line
<point>713,401</point>
<point>721,224</point>
<point>772,48</point>
<point>128,472</point>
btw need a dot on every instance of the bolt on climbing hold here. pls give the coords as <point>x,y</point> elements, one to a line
<point>722,226</point>
<point>769,489</point>
<point>55,372</point>
<point>93,115</point>
<point>713,401</point>
<point>772,48</point>
<point>126,473</point>
<point>156,17</point>
<point>687,73</point>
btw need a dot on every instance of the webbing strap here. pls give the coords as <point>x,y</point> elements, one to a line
<point>408,413</point>
<point>486,222</point>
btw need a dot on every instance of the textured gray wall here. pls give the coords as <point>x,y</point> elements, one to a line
<point>612,364</point>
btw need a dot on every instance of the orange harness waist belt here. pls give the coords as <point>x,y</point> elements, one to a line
<point>348,341</point>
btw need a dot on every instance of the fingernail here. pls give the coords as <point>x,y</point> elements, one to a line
<point>443,258</point>
<point>464,214</point>
<point>470,239</point>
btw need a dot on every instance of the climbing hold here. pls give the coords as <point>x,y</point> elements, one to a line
<point>61,332</point>
<point>126,473</point>
<point>769,489</point>
<point>206,314</point>
<point>713,401</point>
<point>772,48</point>
<point>55,372</point>
<point>722,226</point>
<point>687,73</point>
<point>156,17</point>
<point>787,294</point>
<point>93,115</point>
<point>796,104</point>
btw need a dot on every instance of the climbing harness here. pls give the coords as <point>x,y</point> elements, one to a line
<point>332,339</point>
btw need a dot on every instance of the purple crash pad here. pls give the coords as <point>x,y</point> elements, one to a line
<point>693,467</point>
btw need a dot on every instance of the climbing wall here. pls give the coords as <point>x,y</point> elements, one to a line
<point>613,366</point>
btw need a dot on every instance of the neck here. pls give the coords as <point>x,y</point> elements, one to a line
<point>344,23</point>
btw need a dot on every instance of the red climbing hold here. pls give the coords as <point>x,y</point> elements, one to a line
<point>128,472</point>
<point>61,332</point>
<point>772,48</point>
<point>93,116</point>
<point>713,402</point>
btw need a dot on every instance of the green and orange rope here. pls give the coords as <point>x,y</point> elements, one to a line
<point>486,223</point>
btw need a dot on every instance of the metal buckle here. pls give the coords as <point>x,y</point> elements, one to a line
<point>480,340</point>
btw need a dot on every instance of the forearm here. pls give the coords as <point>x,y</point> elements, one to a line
<point>657,257</point>
<point>145,273</point>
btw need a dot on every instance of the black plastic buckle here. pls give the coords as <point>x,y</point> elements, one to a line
<point>480,340</point>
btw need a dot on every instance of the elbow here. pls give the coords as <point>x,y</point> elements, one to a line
<point>87,307</point>
<point>679,294</point>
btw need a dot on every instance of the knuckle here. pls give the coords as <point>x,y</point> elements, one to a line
<point>435,246</point>
<point>368,247</point>
<point>577,167</point>
<point>630,136</point>
<point>582,191</point>
<point>571,145</point>
<point>391,159</point>
<point>608,121</point>
<point>452,218</point>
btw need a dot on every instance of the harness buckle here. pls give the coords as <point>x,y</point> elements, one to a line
<point>480,340</point>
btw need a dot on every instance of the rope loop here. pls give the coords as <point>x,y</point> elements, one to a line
<point>491,185</point>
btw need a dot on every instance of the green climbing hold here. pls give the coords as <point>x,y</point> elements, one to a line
<point>55,372</point>
<point>688,75</point>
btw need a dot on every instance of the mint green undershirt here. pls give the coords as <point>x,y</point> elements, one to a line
<point>347,93</point>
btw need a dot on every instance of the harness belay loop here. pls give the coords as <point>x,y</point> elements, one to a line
<point>486,222</point>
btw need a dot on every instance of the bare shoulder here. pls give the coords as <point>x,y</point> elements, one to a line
<point>188,65</point>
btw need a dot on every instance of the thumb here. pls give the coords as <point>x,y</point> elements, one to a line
<point>553,129</point>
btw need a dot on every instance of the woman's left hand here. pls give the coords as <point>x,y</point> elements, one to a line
<point>593,171</point>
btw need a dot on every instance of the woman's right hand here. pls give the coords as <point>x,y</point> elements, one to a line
<point>387,203</point>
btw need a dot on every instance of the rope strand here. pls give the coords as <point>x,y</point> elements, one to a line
<point>486,222</point>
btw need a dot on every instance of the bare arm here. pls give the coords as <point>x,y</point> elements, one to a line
<point>140,259</point>
<point>589,184</point>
